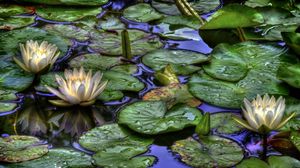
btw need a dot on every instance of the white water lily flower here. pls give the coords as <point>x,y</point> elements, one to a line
<point>78,87</point>
<point>264,114</point>
<point>37,57</point>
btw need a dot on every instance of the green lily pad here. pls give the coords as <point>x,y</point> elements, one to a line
<point>182,21</point>
<point>95,62</point>
<point>16,22</point>
<point>122,158</point>
<point>60,157</point>
<point>292,105</point>
<point>8,95</point>
<point>141,12</point>
<point>159,59</point>
<point>17,148</point>
<point>239,16</point>
<point>16,37</point>
<point>109,43</point>
<point>212,151</point>
<point>126,68</point>
<point>13,77</point>
<point>295,138</point>
<point>165,8</point>
<point>110,95</point>
<point>178,34</point>
<point>113,137</point>
<point>68,14</point>
<point>224,123</point>
<point>292,40</point>
<point>68,31</point>
<point>273,161</point>
<point>111,22</point>
<point>12,10</point>
<point>153,117</point>
<point>290,75</point>
<point>4,107</point>
<point>68,2</point>
<point>172,94</point>
<point>252,69</point>
<point>122,81</point>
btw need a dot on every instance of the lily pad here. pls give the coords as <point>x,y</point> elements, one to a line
<point>126,68</point>
<point>109,43</point>
<point>290,75</point>
<point>111,22</point>
<point>292,40</point>
<point>239,16</point>
<point>68,31</point>
<point>165,8</point>
<point>185,33</point>
<point>68,2</point>
<point>95,62</point>
<point>212,151</point>
<point>182,21</point>
<point>292,105</point>
<point>159,59</point>
<point>273,161</point>
<point>16,22</point>
<point>295,138</point>
<point>69,14</point>
<point>153,117</point>
<point>172,94</point>
<point>16,37</point>
<point>123,158</point>
<point>17,148</point>
<point>12,10</point>
<point>141,12</point>
<point>4,107</point>
<point>60,157</point>
<point>239,71</point>
<point>13,77</point>
<point>224,123</point>
<point>7,95</point>
<point>113,137</point>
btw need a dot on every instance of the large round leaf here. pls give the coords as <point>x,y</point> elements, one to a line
<point>224,123</point>
<point>290,75</point>
<point>211,151</point>
<point>17,148</point>
<point>66,14</point>
<point>68,31</point>
<point>12,10</point>
<point>273,161</point>
<point>60,157</point>
<point>113,137</point>
<point>153,117</point>
<point>159,59</point>
<point>252,69</point>
<point>295,138</point>
<point>141,12</point>
<point>110,43</point>
<point>4,106</point>
<point>122,158</point>
<point>16,22</point>
<point>68,2</point>
<point>16,37</point>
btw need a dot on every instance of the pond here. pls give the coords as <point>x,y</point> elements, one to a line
<point>171,83</point>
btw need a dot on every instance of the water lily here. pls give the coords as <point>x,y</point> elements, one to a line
<point>77,88</point>
<point>37,57</point>
<point>264,114</point>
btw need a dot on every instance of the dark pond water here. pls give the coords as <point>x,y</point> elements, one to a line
<point>35,116</point>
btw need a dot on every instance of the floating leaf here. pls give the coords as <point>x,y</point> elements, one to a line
<point>179,33</point>
<point>109,43</point>
<point>60,157</point>
<point>122,158</point>
<point>141,12</point>
<point>111,22</point>
<point>172,94</point>
<point>68,31</point>
<point>224,123</point>
<point>16,22</point>
<point>4,107</point>
<point>212,151</point>
<point>159,59</point>
<point>17,148</point>
<point>292,40</point>
<point>295,138</point>
<point>239,71</point>
<point>8,95</point>
<point>126,68</point>
<point>68,2</point>
<point>290,75</point>
<point>69,14</point>
<point>12,10</point>
<point>153,117</point>
<point>239,16</point>
<point>113,137</point>
<point>273,161</point>
<point>165,8</point>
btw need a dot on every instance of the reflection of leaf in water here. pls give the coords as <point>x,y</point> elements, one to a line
<point>32,120</point>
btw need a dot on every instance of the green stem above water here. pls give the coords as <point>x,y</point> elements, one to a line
<point>186,9</point>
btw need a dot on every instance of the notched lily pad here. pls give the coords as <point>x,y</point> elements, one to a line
<point>68,2</point>
<point>68,31</point>
<point>113,137</point>
<point>59,157</point>
<point>153,117</point>
<point>16,22</point>
<point>210,152</point>
<point>272,161</point>
<point>182,61</point>
<point>141,12</point>
<point>224,123</point>
<point>4,107</point>
<point>17,148</point>
<point>110,43</point>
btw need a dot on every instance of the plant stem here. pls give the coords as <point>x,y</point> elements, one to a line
<point>241,34</point>
<point>265,146</point>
